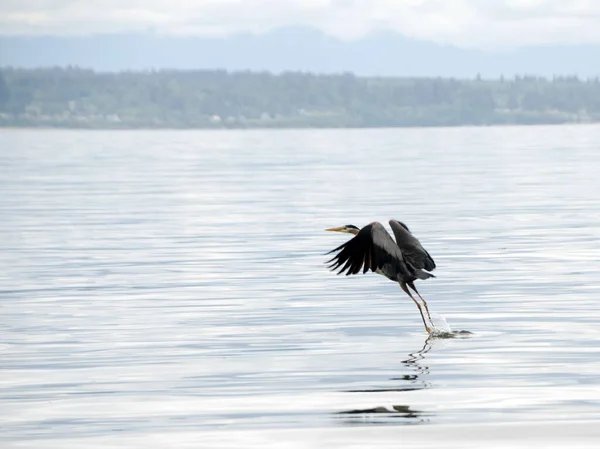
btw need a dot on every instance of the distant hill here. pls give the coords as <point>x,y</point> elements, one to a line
<point>304,49</point>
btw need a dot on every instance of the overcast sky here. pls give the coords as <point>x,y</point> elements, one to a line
<point>466,23</point>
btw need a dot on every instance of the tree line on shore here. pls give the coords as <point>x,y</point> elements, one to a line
<point>82,98</point>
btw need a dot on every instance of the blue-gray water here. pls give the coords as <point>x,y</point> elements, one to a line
<point>158,286</point>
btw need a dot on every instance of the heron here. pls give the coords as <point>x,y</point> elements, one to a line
<point>372,248</point>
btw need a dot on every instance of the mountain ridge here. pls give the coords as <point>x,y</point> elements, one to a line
<point>296,49</point>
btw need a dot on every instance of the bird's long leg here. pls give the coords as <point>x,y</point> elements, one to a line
<point>412,285</point>
<point>403,286</point>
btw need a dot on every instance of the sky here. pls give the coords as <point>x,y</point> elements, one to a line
<point>483,24</point>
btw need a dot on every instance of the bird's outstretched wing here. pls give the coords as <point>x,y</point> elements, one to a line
<point>411,248</point>
<point>371,249</point>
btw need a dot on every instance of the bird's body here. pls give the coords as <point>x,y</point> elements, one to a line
<point>373,248</point>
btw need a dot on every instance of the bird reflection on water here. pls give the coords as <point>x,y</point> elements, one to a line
<point>397,413</point>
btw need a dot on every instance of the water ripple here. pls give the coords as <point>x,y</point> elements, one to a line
<point>174,282</point>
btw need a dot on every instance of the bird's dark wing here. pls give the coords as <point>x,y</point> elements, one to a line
<point>371,249</point>
<point>411,248</point>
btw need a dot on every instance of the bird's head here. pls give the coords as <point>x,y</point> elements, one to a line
<point>350,229</point>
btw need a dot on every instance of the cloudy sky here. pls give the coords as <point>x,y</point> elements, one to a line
<point>466,23</point>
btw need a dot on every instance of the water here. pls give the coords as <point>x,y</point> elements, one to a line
<point>159,289</point>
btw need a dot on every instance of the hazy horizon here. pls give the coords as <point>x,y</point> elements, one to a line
<point>425,38</point>
<point>296,49</point>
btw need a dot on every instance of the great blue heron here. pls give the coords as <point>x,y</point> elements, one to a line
<point>372,248</point>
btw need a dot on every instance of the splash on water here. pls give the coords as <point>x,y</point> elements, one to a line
<point>441,328</point>
<point>439,323</point>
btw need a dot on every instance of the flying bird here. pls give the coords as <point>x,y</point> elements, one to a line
<point>372,248</point>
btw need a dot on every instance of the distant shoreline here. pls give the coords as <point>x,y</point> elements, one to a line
<point>290,128</point>
<point>74,98</point>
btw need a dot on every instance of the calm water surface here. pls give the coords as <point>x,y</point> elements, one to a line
<point>157,288</point>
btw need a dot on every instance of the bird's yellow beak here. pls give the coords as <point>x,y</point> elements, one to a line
<point>338,229</point>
